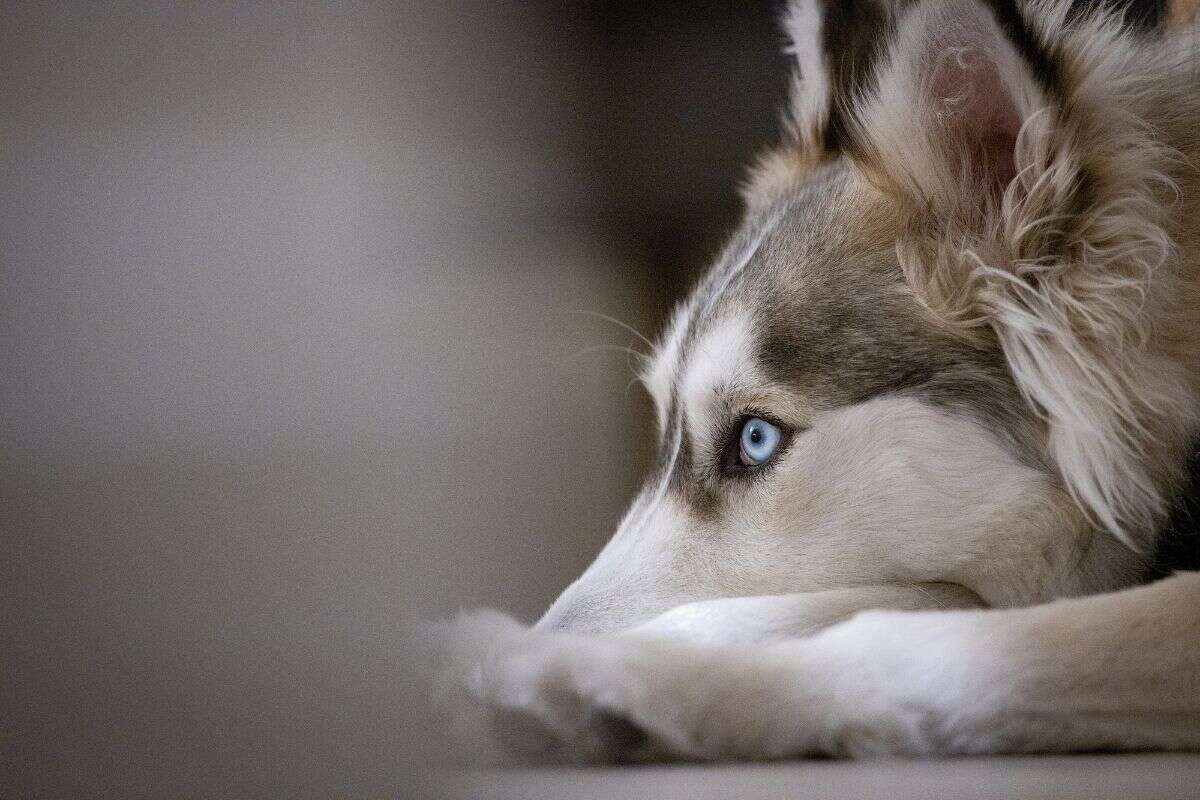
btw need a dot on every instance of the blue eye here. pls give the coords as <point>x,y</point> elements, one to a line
<point>759,441</point>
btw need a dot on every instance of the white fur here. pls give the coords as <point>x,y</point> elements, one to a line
<point>723,358</point>
<point>891,492</point>
<point>810,84</point>
<point>665,367</point>
<point>660,374</point>
<point>1071,675</point>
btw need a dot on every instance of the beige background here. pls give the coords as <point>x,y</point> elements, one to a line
<point>288,357</point>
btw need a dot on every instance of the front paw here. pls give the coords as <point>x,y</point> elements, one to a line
<point>619,699</point>
<point>571,699</point>
<point>447,658</point>
<point>553,697</point>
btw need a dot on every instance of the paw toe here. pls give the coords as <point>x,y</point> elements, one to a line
<point>616,735</point>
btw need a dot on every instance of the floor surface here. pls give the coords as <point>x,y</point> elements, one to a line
<point>1086,777</point>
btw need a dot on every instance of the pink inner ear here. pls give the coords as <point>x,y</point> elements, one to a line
<point>974,109</point>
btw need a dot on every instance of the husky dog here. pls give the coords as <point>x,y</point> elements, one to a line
<point>922,426</point>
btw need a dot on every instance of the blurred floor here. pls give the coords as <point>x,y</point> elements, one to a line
<point>1094,777</point>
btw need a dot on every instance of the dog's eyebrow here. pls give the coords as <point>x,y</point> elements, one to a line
<point>659,375</point>
<point>723,280</point>
<point>670,359</point>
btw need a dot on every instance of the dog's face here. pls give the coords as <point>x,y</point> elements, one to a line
<point>816,428</point>
<point>842,401</point>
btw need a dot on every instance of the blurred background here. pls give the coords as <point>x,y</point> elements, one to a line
<point>293,348</point>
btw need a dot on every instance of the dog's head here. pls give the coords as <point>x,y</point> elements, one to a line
<point>923,357</point>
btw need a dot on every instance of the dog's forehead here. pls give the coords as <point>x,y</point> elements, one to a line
<point>715,336</point>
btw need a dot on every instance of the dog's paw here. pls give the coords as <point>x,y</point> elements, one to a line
<point>449,656</point>
<point>574,699</point>
<point>503,693</point>
<point>512,694</point>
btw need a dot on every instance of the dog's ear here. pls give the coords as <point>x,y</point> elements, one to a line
<point>1033,194</point>
<point>940,124</point>
<point>836,45</point>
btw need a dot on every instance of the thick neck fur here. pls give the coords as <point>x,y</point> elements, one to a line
<point>1136,110</point>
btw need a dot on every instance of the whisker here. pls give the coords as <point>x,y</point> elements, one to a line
<point>630,352</point>
<point>614,321</point>
<point>632,381</point>
<point>932,597</point>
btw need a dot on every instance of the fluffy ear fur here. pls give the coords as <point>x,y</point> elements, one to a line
<point>1036,208</point>
<point>836,44</point>
<point>943,121</point>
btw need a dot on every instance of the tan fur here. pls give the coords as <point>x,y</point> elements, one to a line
<point>1085,267</point>
<point>776,174</point>
<point>1182,12</point>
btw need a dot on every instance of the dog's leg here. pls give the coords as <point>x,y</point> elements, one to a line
<point>740,620</point>
<point>1119,671</point>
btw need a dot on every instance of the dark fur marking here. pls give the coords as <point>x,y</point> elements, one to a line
<point>694,482</point>
<point>1178,542</point>
<point>848,345</point>
<point>1039,57</point>
<point>853,35</point>
<point>1141,15</point>
<point>687,477</point>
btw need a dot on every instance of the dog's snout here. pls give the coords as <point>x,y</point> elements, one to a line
<point>555,619</point>
<point>577,612</point>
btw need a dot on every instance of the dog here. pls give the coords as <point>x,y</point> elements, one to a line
<point>920,429</point>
